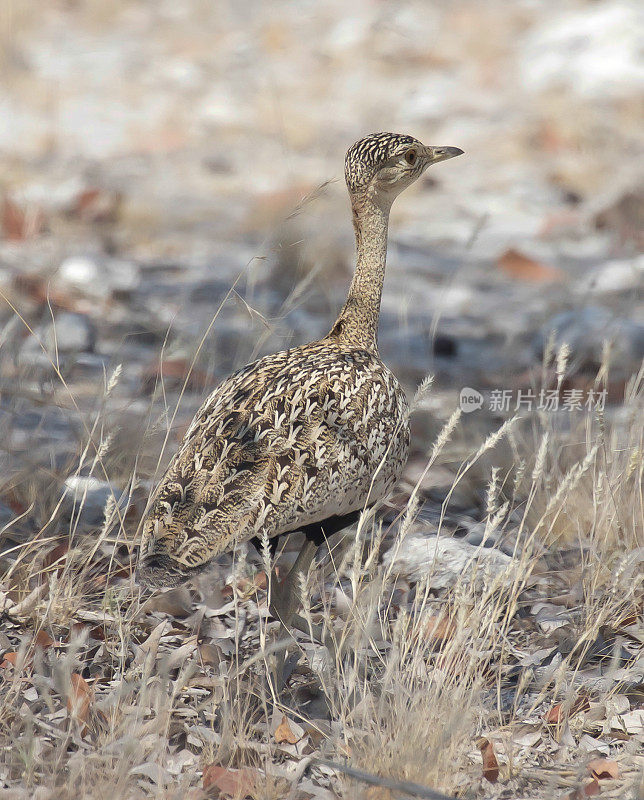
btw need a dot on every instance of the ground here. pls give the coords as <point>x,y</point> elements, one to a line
<point>173,206</point>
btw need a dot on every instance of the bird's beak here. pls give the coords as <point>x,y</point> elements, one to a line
<point>436,154</point>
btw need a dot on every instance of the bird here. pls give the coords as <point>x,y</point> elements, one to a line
<point>305,439</point>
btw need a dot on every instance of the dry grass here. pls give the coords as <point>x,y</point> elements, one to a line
<point>413,677</point>
<point>105,693</point>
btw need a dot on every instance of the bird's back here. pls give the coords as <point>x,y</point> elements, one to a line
<point>308,433</point>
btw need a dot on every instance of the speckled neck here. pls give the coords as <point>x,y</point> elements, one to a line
<point>357,323</point>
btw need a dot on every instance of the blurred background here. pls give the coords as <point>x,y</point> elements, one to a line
<point>171,193</point>
<point>172,205</point>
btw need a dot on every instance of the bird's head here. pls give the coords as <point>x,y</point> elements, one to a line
<point>380,166</point>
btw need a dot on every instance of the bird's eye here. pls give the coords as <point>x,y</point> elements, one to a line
<point>410,156</point>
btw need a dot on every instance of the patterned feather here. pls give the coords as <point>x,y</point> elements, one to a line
<point>307,434</point>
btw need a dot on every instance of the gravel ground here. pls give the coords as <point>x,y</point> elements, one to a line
<point>172,206</point>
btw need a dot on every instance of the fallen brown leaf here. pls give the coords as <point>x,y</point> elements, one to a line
<point>236,783</point>
<point>176,603</point>
<point>96,205</point>
<point>43,640</point>
<point>589,790</point>
<point>284,733</point>
<point>517,265</point>
<point>246,587</point>
<point>490,763</point>
<point>56,555</point>
<point>555,715</point>
<point>559,712</point>
<point>19,224</point>
<point>603,769</point>
<point>260,581</point>
<point>15,503</point>
<point>10,660</point>
<point>438,628</point>
<point>79,698</point>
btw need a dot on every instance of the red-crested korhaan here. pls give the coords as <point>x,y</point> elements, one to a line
<point>308,438</point>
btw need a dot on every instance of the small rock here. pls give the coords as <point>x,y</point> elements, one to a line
<point>64,339</point>
<point>616,276</point>
<point>79,272</point>
<point>70,332</point>
<point>445,560</point>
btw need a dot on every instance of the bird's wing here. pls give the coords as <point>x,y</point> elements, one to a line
<point>289,440</point>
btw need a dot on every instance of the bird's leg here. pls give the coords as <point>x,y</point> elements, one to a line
<point>284,596</point>
<point>284,601</point>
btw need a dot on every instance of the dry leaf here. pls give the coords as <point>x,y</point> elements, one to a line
<point>175,602</point>
<point>260,581</point>
<point>602,769</point>
<point>559,712</point>
<point>210,654</point>
<point>285,734</point>
<point>247,588</point>
<point>55,555</point>
<point>438,628</point>
<point>490,764</point>
<point>629,616</point>
<point>236,783</point>
<point>10,660</point>
<point>632,722</point>
<point>43,639</point>
<point>555,715</point>
<point>96,205</point>
<point>79,697</point>
<point>26,606</point>
<point>18,224</point>
<point>524,268</point>
<point>148,649</point>
<point>589,790</point>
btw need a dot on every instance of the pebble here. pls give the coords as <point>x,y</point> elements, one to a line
<point>621,275</point>
<point>80,272</point>
<point>444,561</point>
<point>70,332</point>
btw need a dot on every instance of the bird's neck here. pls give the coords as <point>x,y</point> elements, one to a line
<point>357,323</point>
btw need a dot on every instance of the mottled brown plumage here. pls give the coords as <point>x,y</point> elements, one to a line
<point>309,434</point>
